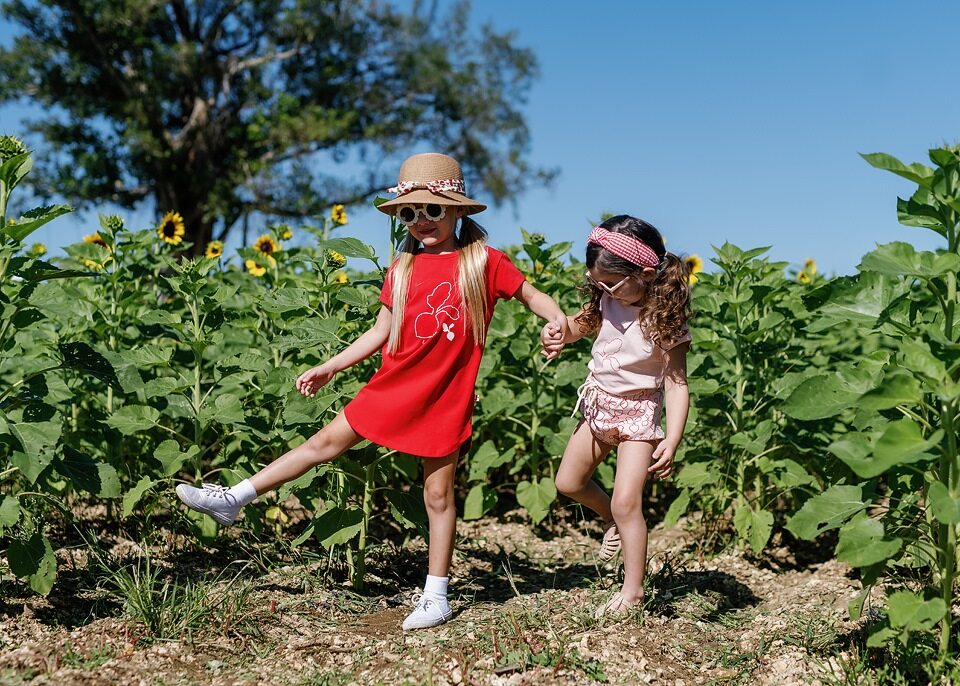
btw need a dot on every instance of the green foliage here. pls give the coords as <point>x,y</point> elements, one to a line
<point>895,415</point>
<point>819,405</point>
<point>744,462</point>
<point>220,110</point>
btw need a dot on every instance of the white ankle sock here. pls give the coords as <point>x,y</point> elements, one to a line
<point>244,492</point>
<point>436,585</point>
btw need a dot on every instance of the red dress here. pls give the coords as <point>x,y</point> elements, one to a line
<point>420,401</point>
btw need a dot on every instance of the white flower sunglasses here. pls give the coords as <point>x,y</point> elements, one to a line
<point>408,215</point>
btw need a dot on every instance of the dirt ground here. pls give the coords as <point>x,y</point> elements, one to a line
<point>524,605</point>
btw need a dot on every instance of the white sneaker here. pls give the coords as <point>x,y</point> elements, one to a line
<point>212,499</point>
<point>430,611</point>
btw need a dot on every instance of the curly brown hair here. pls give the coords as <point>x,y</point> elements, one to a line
<point>664,303</point>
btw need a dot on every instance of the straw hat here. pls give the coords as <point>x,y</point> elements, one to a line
<point>430,178</point>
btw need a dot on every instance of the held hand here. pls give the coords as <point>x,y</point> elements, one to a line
<point>314,379</point>
<point>662,466</point>
<point>551,338</point>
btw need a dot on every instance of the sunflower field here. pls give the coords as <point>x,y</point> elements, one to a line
<point>821,407</point>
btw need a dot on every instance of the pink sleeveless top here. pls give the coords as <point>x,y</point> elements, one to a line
<point>625,359</point>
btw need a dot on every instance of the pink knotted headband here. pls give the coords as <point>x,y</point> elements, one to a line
<point>631,249</point>
<point>438,186</point>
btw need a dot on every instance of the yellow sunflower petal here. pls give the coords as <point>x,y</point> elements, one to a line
<point>171,229</point>
<point>338,214</point>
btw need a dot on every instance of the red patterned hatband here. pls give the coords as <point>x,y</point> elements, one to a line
<point>438,186</point>
<point>631,249</point>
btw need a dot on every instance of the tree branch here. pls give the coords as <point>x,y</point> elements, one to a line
<point>243,65</point>
<point>86,25</point>
<point>182,14</point>
<point>213,31</point>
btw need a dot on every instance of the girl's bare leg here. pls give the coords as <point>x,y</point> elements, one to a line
<point>438,478</point>
<point>327,444</point>
<point>580,459</point>
<point>633,460</point>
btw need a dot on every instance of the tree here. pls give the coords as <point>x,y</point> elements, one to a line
<point>223,108</point>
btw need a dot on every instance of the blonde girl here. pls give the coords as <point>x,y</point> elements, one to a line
<point>438,298</point>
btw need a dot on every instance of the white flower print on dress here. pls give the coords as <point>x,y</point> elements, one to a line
<point>428,324</point>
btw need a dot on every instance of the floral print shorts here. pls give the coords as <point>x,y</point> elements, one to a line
<point>617,418</point>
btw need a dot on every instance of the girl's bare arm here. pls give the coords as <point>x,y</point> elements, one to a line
<point>366,345</point>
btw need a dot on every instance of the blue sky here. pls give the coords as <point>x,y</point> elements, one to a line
<point>732,121</point>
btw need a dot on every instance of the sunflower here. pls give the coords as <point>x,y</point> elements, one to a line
<point>335,259</point>
<point>338,214</point>
<point>255,268</point>
<point>96,239</point>
<point>804,278</point>
<point>285,232</point>
<point>11,146</point>
<point>171,228</point>
<point>809,266</point>
<point>38,249</point>
<point>265,245</point>
<point>341,277</point>
<point>214,250</point>
<point>692,279</point>
<point>694,264</point>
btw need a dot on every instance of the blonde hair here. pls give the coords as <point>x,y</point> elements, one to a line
<point>471,280</point>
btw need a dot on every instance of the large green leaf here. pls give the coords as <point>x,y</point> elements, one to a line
<point>696,475</point>
<point>38,270</point>
<point>896,389</point>
<point>133,418</point>
<point>9,511</point>
<point>349,247</point>
<point>285,300</point>
<point>88,475</point>
<point>677,508</point>
<point>301,409</point>
<point>354,297</point>
<point>944,506</point>
<point>407,508</point>
<point>34,219</point>
<point>36,437</point>
<point>485,459</point>
<point>35,560</point>
<point>902,259</point>
<point>149,355</point>
<point>226,409</point>
<point>825,511</point>
<point>31,465</point>
<point>338,525</point>
<point>919,211</point>
<point>754,526</point>
<point>857,301</point>
<point>310,334</point>
<point>480,500</point>
<point>83,358</point>
<point>901,443</point>
<point>536,497</point>
<point>172,459</point>
<point>916,172</point>
<point>912,613</point>
<point>819,397</point>
<point>14,169</point>
<point>863,542</point>
<point>133,496</point>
